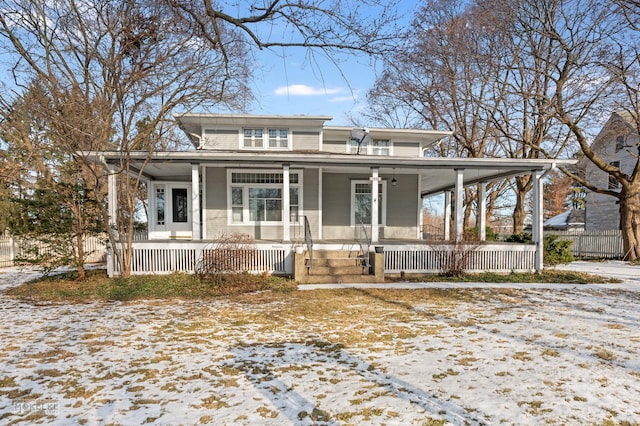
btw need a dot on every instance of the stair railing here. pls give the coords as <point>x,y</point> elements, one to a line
<point>308,239</point>
<point>364,242</point>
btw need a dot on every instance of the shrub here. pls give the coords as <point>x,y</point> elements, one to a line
<point>226,259</point>
<point>473,234</point>
<point>555,252</point>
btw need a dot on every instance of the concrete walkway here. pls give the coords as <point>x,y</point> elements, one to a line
<point>629,274</point>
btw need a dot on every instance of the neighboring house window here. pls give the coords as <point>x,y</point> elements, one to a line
<point>381,147</point>
<point>613,182</point>
<point>180,205</point>
<point>619,143</point>
<point>257,197</point>
<point>361,202</point>
<point>160,206</point>
<point>271,139</point>
<point>278,138</point>
<point>253,138</point>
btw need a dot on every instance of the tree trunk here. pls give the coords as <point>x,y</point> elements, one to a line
<point>519,213</point>
<point>630,222</point>
<point>80,256</point>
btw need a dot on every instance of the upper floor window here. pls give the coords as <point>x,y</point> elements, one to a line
<point>278,138</point>
<point>381,147</point>
<point>273,138</point>
<point>375,147</point>
<point>619,143</point>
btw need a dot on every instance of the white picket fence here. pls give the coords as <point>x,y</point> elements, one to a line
<point>16,248</point>
<point>605,244</point>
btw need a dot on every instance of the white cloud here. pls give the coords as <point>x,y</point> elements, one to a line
<point>304,90</point>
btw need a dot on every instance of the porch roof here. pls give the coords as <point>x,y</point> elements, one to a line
<point>437,174</point>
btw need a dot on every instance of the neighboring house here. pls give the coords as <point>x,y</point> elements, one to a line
<point>286,180</point>
<point>570,220</point>
<point>617,143</point>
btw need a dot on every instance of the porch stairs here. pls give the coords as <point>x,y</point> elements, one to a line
<point>335,266</point>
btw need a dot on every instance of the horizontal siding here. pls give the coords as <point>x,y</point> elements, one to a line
<point>306,140</point>
<point>224,139</point>
<point>406,149</point>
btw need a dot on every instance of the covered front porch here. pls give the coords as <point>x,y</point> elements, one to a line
<point>314,202</point>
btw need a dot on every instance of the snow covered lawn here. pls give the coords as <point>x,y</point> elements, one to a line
<point>564,355</point>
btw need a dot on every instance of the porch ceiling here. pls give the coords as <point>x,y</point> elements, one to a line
<point>437,174</point>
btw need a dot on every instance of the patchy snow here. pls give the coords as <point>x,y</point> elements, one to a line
<point>530,355</point>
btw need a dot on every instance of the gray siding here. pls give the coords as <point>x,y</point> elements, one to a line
<point>221,139</point>
<point>603,211</point>
<point>406,149</point>
<point>216,202</point>
<point>339,147</point>
<point>305,140</point>
<point>402,206</point>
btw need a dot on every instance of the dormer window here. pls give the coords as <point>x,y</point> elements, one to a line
<point>272,138</point>
<point>278,138</point>
<point>374,147</point>
<point>253,138</point>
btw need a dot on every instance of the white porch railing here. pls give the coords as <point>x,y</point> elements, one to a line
<point>166,257</point>
<point>492,257</point>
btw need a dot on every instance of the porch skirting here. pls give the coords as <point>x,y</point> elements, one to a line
<point>165,257</point>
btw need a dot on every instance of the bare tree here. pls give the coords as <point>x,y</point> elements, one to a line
<point>448,75</point>
<point>115,70</point>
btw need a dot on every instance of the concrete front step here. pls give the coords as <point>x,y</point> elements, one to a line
<point>329,279</point>
<point>334,262</point>
<point>338,270</point>
<point>334,254</point>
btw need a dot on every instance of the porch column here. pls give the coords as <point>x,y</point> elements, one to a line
<point>374,203</point>
<point>112,195</point>
<point>482,211</point>
<point>538,221</point>
<point>195,202</point>
<point>286,202</point>
<point>447,215</point>
<point>459,215</point>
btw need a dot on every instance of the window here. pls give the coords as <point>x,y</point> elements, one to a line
<point>361,202</point>
<point>265,204</point>
<point>253,138</point>
<point>237,204</point>
<point>257,197</point>
<point>619,143</point>
<point>613,182</point>
<point>275,138</point>
<point>179,201</point>
<point>278,138</point>
<point>375,147</point>
<point>160,206</point>
<point>381,147</point>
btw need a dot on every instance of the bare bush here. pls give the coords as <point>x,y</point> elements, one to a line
<point>230,255</point>
<point>455,258</point>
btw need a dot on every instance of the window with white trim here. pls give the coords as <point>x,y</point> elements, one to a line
<point>375,147</point>
<point>160,205</point>
<point>257,197</point>
<point>380,147</point>
<point>253,138</point>
<point>361,202</point>
<point>278,138</point>
<point>272,138</point>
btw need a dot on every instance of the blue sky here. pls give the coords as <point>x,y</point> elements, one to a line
<point>295,84</point>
